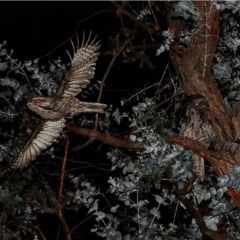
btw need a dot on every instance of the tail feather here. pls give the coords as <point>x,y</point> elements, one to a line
<point>88,107</point>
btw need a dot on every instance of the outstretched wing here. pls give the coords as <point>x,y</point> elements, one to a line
<point>47,132</point>
<point>43,136</point>
<point>82,69</point>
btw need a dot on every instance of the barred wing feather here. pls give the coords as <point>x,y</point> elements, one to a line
<point>82,69</point>
<point>43,137</point>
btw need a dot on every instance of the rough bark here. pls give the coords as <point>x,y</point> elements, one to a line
<point>194,64</point>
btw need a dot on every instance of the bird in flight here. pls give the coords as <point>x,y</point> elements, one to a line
<point>64,104</point>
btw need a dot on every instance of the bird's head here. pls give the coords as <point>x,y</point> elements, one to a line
<point>44,106</point>
<point>41,102</point>
<point>197,102</point>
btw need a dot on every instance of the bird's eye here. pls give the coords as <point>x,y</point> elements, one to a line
<point>37,100</point>
<point>196,103</point>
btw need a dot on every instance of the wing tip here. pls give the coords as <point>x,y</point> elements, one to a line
<point>89,41</point>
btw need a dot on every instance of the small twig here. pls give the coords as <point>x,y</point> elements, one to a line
<point>37,205</point>
<point>72,35</point>
<point>143,90</point>
<point>136,47</point>
<point>121,10</point>
<point>163,75</point>
<point>93,166</point>
<point>80,223</point>
<point>175,213</point>
<point>79,147</point>
<point>115,55</point>
<point>87,218</point>
<point>64,162</point>
<point>168,99</point>
<point>104,79</point>
<point>23,72</point>
<point>152,109</point>
<point>13,108</point>
<point>124,11</point>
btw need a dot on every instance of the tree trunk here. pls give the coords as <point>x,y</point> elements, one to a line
<point>194,64</point>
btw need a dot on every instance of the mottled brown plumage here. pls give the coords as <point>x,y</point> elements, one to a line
<point>63,104</point>
<point>197,126</point>
<point>62,107</point>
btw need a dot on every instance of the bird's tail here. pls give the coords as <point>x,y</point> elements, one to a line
<point>88,107</point>
<point>198,166</point>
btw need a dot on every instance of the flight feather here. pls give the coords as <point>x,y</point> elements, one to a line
<point>63,104</point>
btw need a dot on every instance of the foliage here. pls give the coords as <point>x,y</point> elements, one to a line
<point>139,194</point>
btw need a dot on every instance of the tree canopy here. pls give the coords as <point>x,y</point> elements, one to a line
<point>129,173</point>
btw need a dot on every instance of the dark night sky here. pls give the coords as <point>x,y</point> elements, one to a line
<point>33,29</point>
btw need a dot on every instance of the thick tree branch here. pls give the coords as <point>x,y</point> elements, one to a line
<point>220,164</point>
<point>194,145</point>
<point>105,138</point>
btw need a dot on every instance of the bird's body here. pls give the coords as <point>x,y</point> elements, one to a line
<point>197,126</point>
<point>62,107</point>
<point>63,104</point>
